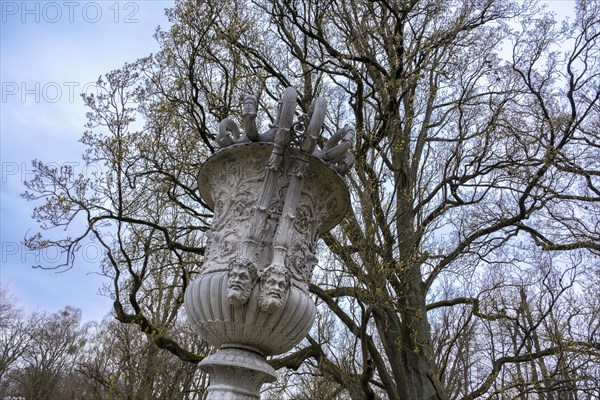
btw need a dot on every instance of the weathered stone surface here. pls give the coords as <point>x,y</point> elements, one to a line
<point>221,323</point>
<point>272,195</point>
<point>236,374</point>
<point>231,181</point>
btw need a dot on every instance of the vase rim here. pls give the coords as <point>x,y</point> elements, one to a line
<point>324,172</point>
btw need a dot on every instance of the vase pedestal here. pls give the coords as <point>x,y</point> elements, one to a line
<point>236,374</point>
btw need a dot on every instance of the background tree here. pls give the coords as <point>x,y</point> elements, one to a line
<point>46,363</point>
<point>123,363</point>
<point>61,358</point>
<point>141,205</point>
<point>458,272</point>
<point>14,336</point>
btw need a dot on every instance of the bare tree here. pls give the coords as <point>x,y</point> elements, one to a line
<point>42,369</point>
<point>459,269</point>
<point>14,335</point>
<point>140,205</point>
<point>122,363</point>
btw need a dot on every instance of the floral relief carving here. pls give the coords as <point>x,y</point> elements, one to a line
<point>300,260</point>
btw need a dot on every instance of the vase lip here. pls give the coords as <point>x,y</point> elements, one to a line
<point>325,174</point>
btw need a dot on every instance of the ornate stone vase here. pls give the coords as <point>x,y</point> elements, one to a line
<point>272,196</point>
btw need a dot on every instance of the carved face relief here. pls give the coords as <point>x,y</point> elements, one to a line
<point>241,279</point>
<point>274,284</point>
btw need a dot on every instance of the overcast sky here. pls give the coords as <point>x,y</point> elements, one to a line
<point>51,51</point>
